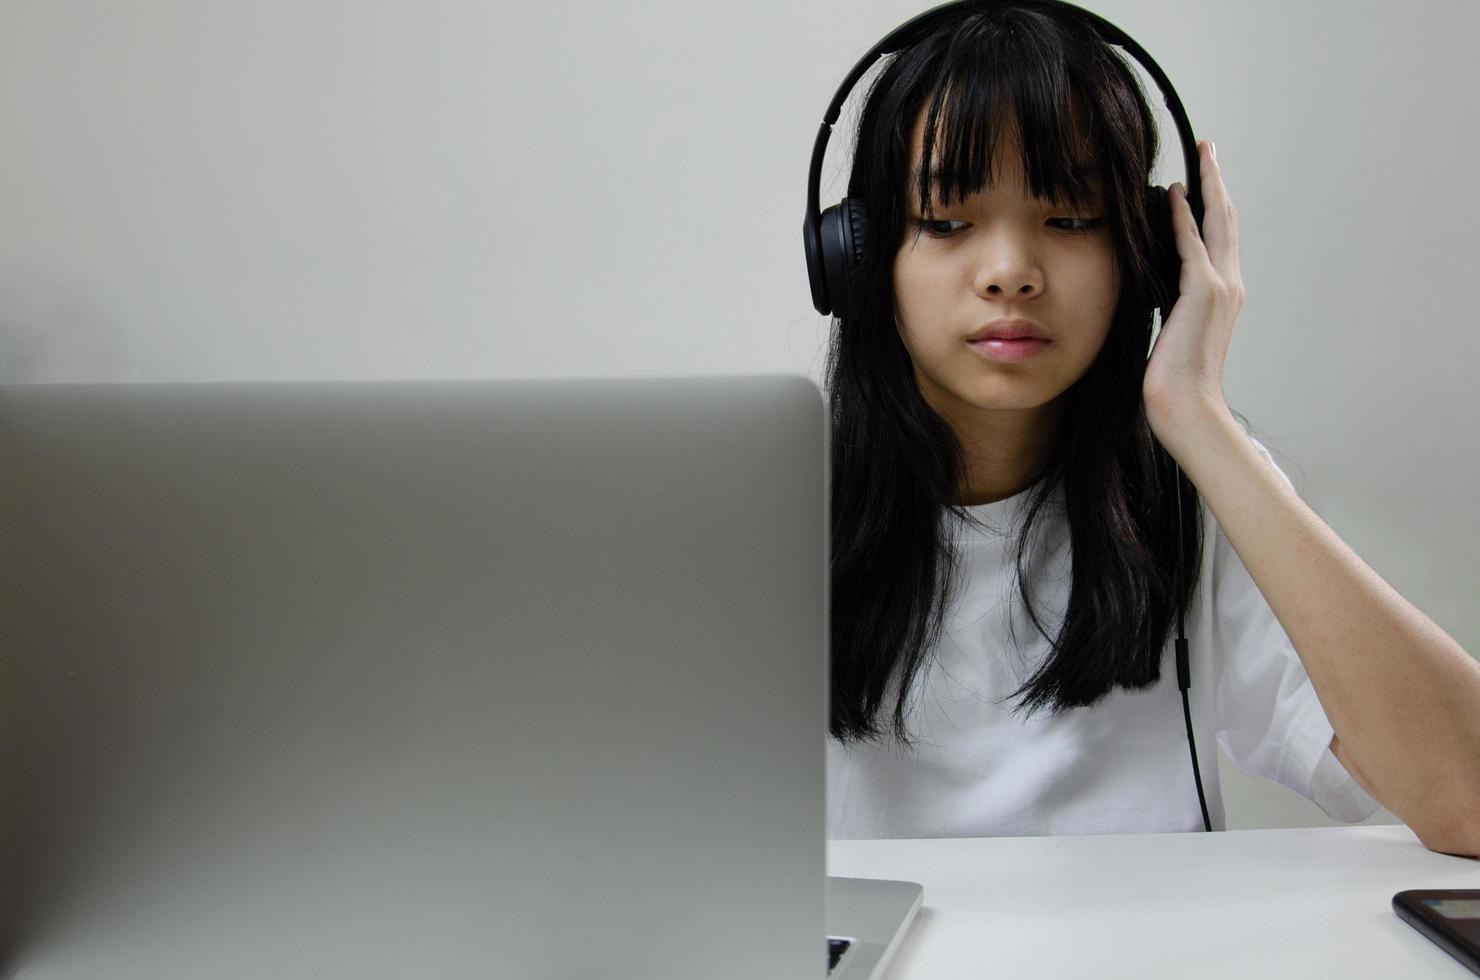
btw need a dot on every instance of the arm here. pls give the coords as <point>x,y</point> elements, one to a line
<point>1402,697</point>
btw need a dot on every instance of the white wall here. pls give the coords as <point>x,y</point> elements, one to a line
<point>201,189</point>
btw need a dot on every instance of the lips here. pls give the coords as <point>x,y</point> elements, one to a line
<point>1010,350</point>
<point>1010,330</point>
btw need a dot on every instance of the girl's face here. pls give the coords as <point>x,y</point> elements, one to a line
<point>1002,255</point>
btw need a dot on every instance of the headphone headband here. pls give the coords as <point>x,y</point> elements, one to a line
<point>921,25</point>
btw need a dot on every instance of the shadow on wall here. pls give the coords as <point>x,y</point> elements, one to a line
<point>58,335</point>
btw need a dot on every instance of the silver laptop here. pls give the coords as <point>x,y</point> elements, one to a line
<point>516,679</point>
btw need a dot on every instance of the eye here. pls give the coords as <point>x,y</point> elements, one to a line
<point>1076,226</point>
<point>938,228</point>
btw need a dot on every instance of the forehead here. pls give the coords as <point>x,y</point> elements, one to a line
<point>1001,133</point>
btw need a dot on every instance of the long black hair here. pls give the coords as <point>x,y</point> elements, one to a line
<point>1042,73</point>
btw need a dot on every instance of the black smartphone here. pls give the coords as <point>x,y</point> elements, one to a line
<point>1448,916</point>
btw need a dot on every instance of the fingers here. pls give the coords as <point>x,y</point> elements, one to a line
<point>1216,248</point>
<point>1220,220</point>
<point>1190,246</point>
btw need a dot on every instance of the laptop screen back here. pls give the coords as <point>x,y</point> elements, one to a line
<point>516,679</point>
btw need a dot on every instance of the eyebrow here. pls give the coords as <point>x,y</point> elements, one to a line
<point>1083,173</point>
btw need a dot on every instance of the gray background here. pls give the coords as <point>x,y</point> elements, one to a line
<point>294,189</point>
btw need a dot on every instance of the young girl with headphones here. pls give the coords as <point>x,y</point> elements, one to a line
<point>1028,513</point>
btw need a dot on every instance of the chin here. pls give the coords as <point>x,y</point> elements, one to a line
<point>953,403</point>
<point>1009,397</point>
<point>994,392</point>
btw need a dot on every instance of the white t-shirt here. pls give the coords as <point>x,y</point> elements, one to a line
<point>1121,766</point>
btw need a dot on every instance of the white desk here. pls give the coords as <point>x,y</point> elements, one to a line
<point>1248,904</point>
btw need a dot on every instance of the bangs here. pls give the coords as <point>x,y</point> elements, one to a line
<point>998,89</point>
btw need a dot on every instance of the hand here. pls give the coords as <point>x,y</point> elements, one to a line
<point>1184,376</point>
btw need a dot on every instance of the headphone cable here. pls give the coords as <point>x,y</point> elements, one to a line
<point>1184,668</point>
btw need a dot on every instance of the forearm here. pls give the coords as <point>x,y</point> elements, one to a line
<point>1403,698</point>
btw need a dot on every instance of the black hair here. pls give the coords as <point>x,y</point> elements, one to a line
<point>1044,74</point>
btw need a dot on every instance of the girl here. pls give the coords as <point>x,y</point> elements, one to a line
<point>1014,538</point>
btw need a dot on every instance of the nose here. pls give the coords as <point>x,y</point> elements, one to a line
<point>1007,267</point>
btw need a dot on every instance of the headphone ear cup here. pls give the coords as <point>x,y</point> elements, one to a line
<point>857,233</point>
<point>1163,245</point>
<point>844,230</point>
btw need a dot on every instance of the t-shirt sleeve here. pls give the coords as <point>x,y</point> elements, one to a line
<point>1270,721</point>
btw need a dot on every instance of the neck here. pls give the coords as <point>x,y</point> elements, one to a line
<point>1004,451</point>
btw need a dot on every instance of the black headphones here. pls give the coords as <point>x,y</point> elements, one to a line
<point>834,239</point>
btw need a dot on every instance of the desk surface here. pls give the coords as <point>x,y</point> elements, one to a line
<point>1312,902</point>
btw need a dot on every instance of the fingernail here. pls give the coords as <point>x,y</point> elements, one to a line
<point>1213,149</point>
